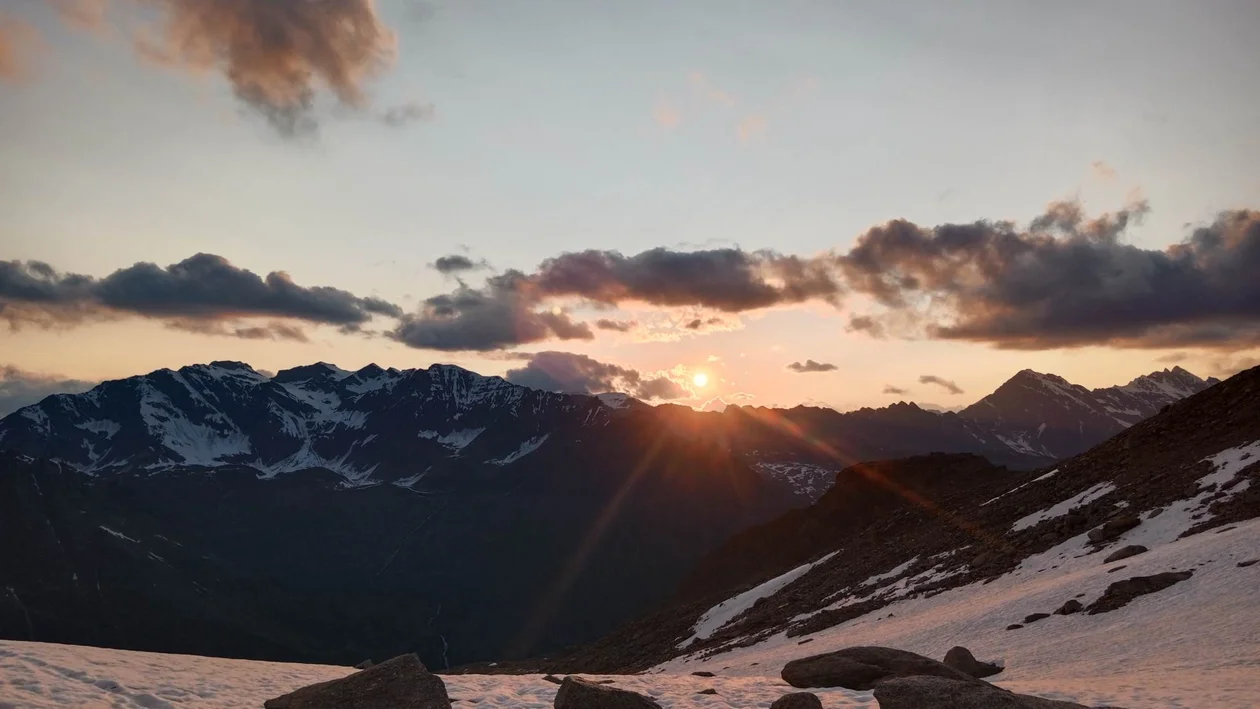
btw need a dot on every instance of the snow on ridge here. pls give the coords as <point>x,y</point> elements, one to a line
<point>457,439</point>
<point>119,534</point>
<point>614,399</point>
<point>726,611</point>
<point>1064,507</point>
<point>527,447</point>
<point>1021,487</point>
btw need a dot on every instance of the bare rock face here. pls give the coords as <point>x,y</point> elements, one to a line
<point>1120,593</point>
<point>797,700</point>
<point>400,683</point>
<point>577,693</point>
<point>862,668</point>
<point>961,659</point>
<point>941,693</point>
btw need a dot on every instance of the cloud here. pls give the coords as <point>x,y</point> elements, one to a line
<point>1066,281</point>
<point>945,384</point>
<point>1102,170</point>
<point>578,374</point>
<point>665,114</point>
<point>277,55</point>
<point>501,315</point>
<point>87,15</point>
<point>751,128</point>
<point>701,323</point>
<point>18,40</point>
<point>269,331</point>
<point>616,325</point>
<point>20,388</point>
<point>202,288</point>
<point>867,324</point>
<point>456,263</point>
<point>407,114</point>
<point>702,86</point>
<point>810,365</point>
<point>896,391</point>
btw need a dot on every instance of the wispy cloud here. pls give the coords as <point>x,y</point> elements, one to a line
<point>945,384</point>
<point>809,366</point>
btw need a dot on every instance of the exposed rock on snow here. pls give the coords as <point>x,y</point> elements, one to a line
<point>961,659</point>
<point>577,693</point>
<point>1125,552</point>
<point>863,667</point>
<point>400,683</point>
<point>942,693</point>
<point>1113,528</point>
<point>797,700</point>
<point>1120,593</point>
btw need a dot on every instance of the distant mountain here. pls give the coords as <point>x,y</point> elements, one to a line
<point>329,515</point>
<point>904,531</point>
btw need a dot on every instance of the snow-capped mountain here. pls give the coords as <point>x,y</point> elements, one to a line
<point>373,425</point>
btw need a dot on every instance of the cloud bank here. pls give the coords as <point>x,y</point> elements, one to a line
<point>578,374</point>
<point>20,388</point>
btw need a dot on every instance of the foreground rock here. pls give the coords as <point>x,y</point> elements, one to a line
<point>941,693</point>
<point>400,683</point>
<point>576,693</point>
<point>862,667</point>
<point>1120,593</point>
<point>961,659</point>
<point>1125,553</point>
<point>797,700</point>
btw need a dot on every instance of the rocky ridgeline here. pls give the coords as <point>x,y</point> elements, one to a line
<point>898,679</point>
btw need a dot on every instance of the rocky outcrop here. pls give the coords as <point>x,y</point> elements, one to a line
<point>1113,528</point>
<point>862,668</point>
<point>576,693</point>
<point>1072,606</point>
<point>797,700</point>
<point>942,693</point>
<point>961,659</point>
<point>1120,593</point>
<point>400,683</point>
<point>1125,552</point>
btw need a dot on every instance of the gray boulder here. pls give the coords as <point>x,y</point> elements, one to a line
<point>797,700</point>
<point>577,693</point>
<point>1070,607</point>
<point>862,667</point>
<point>1125,552</point>
<point>941,693</point>
<point>961,659</point>
<point>400,683</point>
<point>1111,529</point>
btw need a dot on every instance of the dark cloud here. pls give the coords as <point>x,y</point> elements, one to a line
<point>495,317</point>
<point>615,325</point>
<point>867,324</point>
<point>20,388</point>
<point>579,374</point>
<point>945,384</point>
<point>810,365</point>
<point>1067,281</point>
<point>277,54</point>
<point>407,114</point>
<point>730,280</point>
<point>896,391</point>
<point>269,331</point>
<point>203,288</point>
<point>456,263</point>
<point>701,323</point>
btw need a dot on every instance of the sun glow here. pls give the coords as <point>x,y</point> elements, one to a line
<point>700,379</point>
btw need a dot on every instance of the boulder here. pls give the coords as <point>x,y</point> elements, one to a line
<point>400,683</point>
<point>797,700</point>
<point>941,693</point>
<point>710,690</point>
<point>1249,562</point>
<point>552,679</point>
<point>862,667</point>
<point>364,665</point>
<point>1125,552</point>
<point>702,673</point>
<point>961,659</point>
<point>1034,617</point>
<point>1113,528</point>
<point>1072,606</point>
<point>578,693</point>
<point>1120,593</point>
<point>1014,626</point>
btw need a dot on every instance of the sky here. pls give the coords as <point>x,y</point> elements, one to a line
<point>831,203</point>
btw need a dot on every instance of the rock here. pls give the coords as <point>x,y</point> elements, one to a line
<point>553,679</point>
<point>1072,606</point>
<point>702,673</point>
<point>1113,528</point>
<point>941,693</point>
<point>1125,552</point>
<point>400,683</point>
<point>1117,568</point>
<point>710,690</point>
<point>364,665</point>
<point>861,667</point>
<point>1249,562</point>
<point>797,700</point>
<point>806,640</point>
<point>578,693</point>
<point>1033,618</point>
<point>1120,593</point>
<point>981,559</point>
<point>961,659</point>
<point>1156,513</point>
<point>1014,626</point>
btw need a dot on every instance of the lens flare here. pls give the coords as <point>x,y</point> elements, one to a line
<point>700,379</point>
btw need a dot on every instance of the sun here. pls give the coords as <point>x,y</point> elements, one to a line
<point>700,379</point>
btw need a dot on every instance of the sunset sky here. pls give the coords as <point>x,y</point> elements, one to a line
<point>877,195</point>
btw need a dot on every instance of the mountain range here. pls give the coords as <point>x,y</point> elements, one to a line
<point>326,515</point>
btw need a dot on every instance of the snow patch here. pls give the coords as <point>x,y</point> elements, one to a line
<point>1064,507</point>
<point>526,448</point>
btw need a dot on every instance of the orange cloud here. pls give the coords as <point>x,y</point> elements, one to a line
<point>665,114</point>
<point>702,86</point>
<point>751,128</point>
<point>18,40</point>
